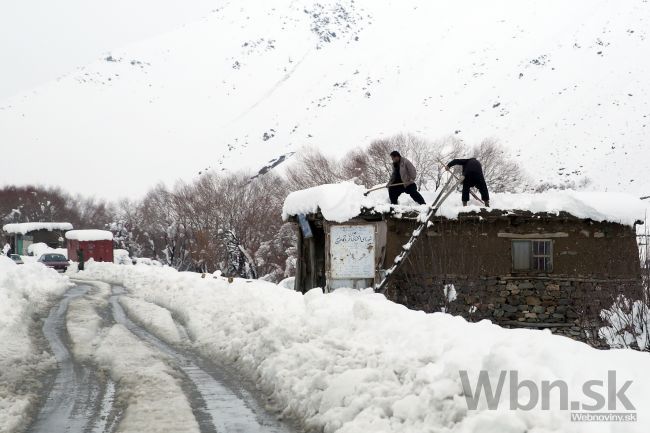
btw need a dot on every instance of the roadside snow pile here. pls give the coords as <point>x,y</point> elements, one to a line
<point>37,250</point>
<point>25,293</point>
<point>24,228</point>
<point>352,361</point>
<point>343,201</point>
<point>89,235</point>
<point>121,257</point>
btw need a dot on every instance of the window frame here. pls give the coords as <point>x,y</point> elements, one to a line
<point>534,256</point>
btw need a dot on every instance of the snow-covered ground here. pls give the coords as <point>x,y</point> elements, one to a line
<point>25,293</point>
<point>562,84</point>
<point>352,361</point>
<point>343,201</point>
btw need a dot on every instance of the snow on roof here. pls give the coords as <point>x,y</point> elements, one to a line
<point>24,228</point>
<point>344,201</point>
<point>89,235</point>
<point>337,201</point>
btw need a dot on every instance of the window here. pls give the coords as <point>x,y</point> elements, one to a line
<point>532,255</point>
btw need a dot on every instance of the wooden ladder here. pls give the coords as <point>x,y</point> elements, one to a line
<point>445,191</point>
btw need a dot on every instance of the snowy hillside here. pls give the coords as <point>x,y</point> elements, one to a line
<point>563,84</point>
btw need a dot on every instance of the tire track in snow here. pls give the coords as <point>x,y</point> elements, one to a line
<point>77,401</point>
<point>217,407</point>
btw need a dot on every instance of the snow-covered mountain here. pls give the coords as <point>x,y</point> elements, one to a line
<point>563,84</point>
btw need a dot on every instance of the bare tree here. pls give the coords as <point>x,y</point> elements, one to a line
<point>501,172</point>
<point>313,168</point>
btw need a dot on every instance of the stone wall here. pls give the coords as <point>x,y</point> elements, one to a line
<point>566,306</point>
<point>593,263</point>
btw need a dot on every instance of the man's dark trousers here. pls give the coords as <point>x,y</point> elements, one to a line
<point>395,191</point>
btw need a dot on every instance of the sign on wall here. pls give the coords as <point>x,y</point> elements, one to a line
<point>352,251</point>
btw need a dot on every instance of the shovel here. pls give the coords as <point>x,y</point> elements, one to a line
<point>381,187</point>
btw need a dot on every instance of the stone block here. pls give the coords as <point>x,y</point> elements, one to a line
<point>533,300</point>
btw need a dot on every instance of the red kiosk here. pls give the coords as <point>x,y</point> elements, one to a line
<point>95,244</point>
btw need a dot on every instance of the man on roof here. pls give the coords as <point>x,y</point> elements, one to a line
<point>472,177</point>
<point>403,179</point>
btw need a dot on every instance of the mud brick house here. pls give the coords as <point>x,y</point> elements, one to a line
<point>21,235</point>
<point>552,260</point>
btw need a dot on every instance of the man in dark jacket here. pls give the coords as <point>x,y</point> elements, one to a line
<point>472,177</point>
<point>403,172</point>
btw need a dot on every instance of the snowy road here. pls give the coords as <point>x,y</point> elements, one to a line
<point>79,399</point>
<point>82,400</point>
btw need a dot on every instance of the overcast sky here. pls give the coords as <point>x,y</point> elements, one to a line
<point>41,40</point>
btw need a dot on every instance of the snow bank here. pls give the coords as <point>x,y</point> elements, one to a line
<point>25,293</point>
<point>121,257</point>
<point>24,228</point>
<point>89,235</point>
<point>352,361</point>
<point>38,249</point>
<point>343,201</point>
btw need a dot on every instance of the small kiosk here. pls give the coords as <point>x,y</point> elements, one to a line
<point>93,244</point>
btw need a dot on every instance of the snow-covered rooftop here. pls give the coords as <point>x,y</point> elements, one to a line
<point>89,235</point>
<point>343,201</point>
<point>24,228</point>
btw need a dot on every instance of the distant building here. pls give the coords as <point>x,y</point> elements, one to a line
<point>21,235</point>
<point>517,268</point>
<point>95,244</point>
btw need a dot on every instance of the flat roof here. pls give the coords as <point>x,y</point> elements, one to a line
<point>24,228</point>
<point>344,201</point>
<point>89,235</point>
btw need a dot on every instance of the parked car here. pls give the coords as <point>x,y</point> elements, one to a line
<point>55,261</point>
<point>16,258</point>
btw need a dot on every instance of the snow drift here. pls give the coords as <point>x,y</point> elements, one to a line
<point>25,293</point>
<point>352,361</point>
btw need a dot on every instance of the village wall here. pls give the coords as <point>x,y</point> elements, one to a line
<point>593,262</point>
